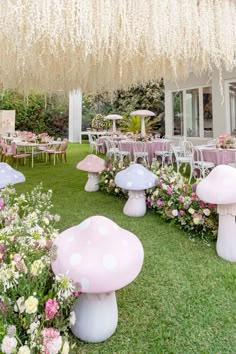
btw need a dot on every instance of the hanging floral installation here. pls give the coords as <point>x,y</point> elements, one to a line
<point>101,45</point>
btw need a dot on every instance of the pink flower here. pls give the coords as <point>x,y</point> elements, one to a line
<point>160,202</point>
<point>1,204</point>
<point>51,308</point>
<point>211,206</point>
<point>169,190</point>
<point>20,263</point>
<point>181,199</point>
<point>52,341</point>
<point>181,212</point>
<point>3,252</point>
<point>202,204</point>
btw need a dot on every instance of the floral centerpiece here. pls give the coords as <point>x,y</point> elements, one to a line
<point>99,122</point>
<point>226,141</point>
<point>34,316</point>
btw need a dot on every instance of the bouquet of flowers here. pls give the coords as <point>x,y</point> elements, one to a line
<point>34,304</point>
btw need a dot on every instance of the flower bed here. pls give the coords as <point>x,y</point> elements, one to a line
<point>34,318</point>
<point>173,199</point>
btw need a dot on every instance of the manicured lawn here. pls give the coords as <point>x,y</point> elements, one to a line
<point>183,301</point>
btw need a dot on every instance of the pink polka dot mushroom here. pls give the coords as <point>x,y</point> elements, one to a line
<point>9,175</point>
<point>135,179</point>
<point>93,165</point>
<point>103,258</point>
<point>219,187</point>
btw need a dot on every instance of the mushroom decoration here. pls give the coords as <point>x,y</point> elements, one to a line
<point>9,175</point>
<point>102,257</point>
<point>135,179</point>
<point>143,113</point>
<point>114,118</point>
<point>219,187</point>
<point>93,165</point>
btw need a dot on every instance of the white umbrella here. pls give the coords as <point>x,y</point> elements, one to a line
<point>143,113</point>
<point>114,118</point>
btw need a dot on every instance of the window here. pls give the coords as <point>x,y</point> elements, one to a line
<point>232,106</point>
<point>192,112</point>
<point>207,112</point>
<point>177,99</point>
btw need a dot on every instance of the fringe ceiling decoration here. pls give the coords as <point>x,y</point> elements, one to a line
<point>98,45</point>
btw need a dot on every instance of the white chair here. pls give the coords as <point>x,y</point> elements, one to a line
<point>164,153</point>
<point>122,153</point>
<point>140,151</point>
<point>198,163</point>
<point>179,158</point>
<point>94,144</point>
<point>112,150</point>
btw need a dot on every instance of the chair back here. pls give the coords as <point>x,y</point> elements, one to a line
<point>187,148</point>
<point>64,145</point>
<point>13,148</point>
<point>139,146</point>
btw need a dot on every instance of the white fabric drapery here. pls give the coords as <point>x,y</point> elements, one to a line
<point>109,44</point>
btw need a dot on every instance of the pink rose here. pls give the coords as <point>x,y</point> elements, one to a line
<point>211,206</point>
<point>51,308</point>
<point>181,199</point>
<point>181,212</point>
<point>202,204</point>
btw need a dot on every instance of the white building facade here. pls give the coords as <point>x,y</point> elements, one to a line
<point>201,108</point>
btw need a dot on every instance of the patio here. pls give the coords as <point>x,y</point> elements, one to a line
<point>184,298</point>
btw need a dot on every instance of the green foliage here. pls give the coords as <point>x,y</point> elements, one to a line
<point>38,113</point>
<point>150,96</point>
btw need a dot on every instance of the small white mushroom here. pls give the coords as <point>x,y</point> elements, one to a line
<point>135,179</point>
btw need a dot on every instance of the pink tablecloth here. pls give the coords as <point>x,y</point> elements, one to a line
<point>219,156</point>
<point>151,146</point>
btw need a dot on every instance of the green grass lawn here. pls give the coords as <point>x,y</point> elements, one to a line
<point>183,301</point>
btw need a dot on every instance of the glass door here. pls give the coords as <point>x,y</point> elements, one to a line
<point>232,106</point>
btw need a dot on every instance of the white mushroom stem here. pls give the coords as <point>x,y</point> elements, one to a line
<point>136,204</point>
<point>143,131</point>
<point>92,184</point>
<point>114,126</point>
<point>226,240</point>
<point>96,317</point>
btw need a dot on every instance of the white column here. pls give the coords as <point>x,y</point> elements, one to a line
<point>75,116</point>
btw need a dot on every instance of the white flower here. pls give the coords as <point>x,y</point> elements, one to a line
<point>37,267</point>
<point>72,318</point>
<point>20,304</point>
<point>57,218</point>
<point>46,221</point>
<point>54,345</point>
<point>116,190</point>
<point>175,212</point>
<point>156,192</point>
<point>65,348</point>
<point>191,211</point>
<point>24,350</point>
<point>31,305</point>
<point>106,181</point>
<point>207,212</point>
<point>9,345</point>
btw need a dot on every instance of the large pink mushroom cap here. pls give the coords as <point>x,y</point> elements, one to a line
<point>91,163</point>
<point>219,187</point>
<point>99,255</point>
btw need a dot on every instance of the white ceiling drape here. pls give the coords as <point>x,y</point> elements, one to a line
<point>108,44</point>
